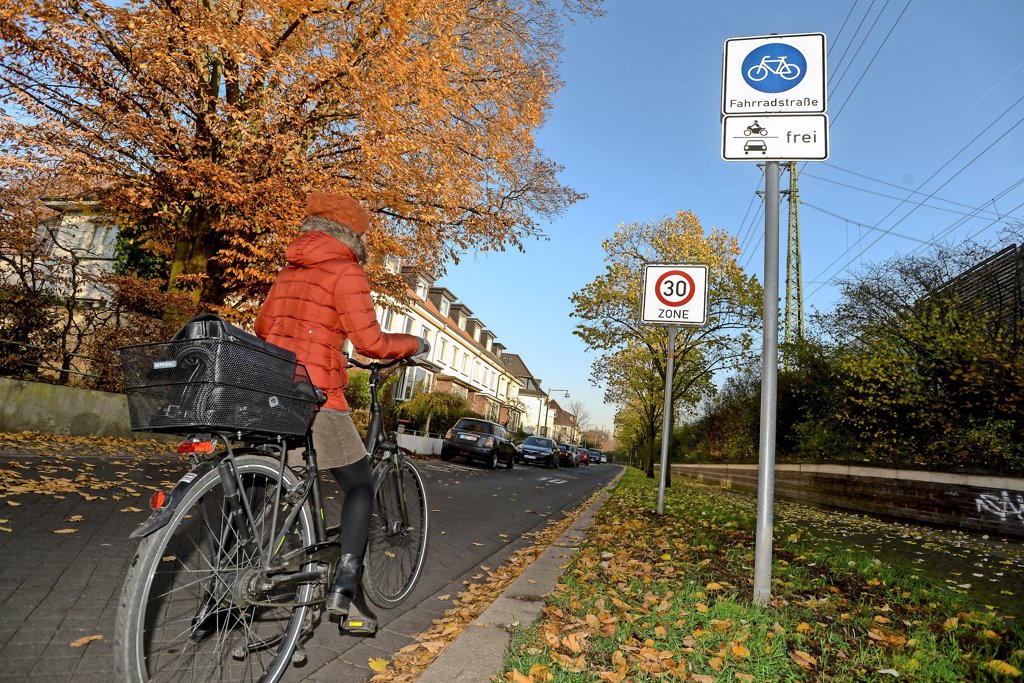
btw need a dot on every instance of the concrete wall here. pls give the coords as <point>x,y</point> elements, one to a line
<point>50,408</point>
<point>968,502</point>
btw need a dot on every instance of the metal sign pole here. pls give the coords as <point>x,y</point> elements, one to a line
<point>666,430</point>
<point>769,377</point>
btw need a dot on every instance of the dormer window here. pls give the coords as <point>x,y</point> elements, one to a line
<point>393,264</point>
<point>445,307</point>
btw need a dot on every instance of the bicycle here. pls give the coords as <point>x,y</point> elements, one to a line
<point>234,563</point>
<point>780,67</point>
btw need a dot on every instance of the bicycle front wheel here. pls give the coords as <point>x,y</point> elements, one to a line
<point>397,543</point>
<point>192,608</point>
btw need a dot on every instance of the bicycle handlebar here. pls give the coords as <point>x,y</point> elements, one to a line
<point>381,364</point>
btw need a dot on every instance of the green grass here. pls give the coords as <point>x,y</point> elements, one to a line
<point>653,598</point>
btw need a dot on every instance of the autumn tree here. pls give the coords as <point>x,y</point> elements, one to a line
<point>634,364</point>
<point>203,124</point>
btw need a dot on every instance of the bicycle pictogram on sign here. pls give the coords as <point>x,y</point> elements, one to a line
<point>774,68</point>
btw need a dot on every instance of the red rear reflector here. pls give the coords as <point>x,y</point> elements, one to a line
<point>157,500</point>
<point>195,447</point>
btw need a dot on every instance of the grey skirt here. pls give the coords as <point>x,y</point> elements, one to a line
<point>335,439</point>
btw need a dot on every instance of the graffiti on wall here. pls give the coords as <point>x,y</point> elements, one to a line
<point>1001,505</point>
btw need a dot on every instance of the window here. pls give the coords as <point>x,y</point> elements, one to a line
<point>392,264</point>
<point>407,328</point>
<point>460,391</point>
<point>415,381</point>
<point>465,364</point>
<point>385,321</point>
<point>421,289</point>
<point>442,346</point>
<point>445,307</point>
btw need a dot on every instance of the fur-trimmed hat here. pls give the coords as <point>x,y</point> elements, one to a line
<point>340,209</point>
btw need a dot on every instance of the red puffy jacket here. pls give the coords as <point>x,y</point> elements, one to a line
<point>320,299</point>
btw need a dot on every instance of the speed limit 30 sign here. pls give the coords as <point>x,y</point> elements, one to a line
<point>675,294</point>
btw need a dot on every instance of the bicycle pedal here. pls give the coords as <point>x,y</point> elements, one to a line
<point>357,626</point>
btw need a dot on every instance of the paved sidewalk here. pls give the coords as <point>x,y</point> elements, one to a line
<point>66,509</point>
<point>479,651</point>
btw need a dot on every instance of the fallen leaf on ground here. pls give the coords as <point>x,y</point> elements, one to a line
<point>131,509</point>
<point>804,659</point>
<point>65,531</point>
<point>1003,668</point>
<point>378,664</point>
<point>85,640</point>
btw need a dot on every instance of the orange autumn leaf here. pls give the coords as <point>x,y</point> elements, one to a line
<point>803,659</point>
<point>85,640</point>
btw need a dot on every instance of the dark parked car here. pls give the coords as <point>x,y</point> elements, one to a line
<point>479,440</point>
<point>595,456</point>
<point>568,455</point>
<point>539,450</point>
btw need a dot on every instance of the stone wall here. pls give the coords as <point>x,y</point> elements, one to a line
<point>54,409</point>
<point>972,503</point>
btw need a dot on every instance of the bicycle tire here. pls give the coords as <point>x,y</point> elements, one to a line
<point>397,543</point>
<point>188,578</point>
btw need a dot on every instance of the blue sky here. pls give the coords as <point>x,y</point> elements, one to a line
<point>925,96</point>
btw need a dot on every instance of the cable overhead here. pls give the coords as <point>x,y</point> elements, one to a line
<point>839,34</point>
<point>864,225</point>
<point>873,57</point>
<point>927,180</point>
<point>959,222</point>
<point>883,182</point>
<point>863,42</point>
<point>831,77</point>
<point>889,196</point>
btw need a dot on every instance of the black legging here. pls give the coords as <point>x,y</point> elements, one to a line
<point>356,481</point>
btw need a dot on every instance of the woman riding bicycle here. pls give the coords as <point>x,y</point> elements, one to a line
<point>320,299</point>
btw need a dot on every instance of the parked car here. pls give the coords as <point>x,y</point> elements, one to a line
<point>539,450</point>
<point>477,439</point>
<point>596,456</point>
<point>568,455</point>
<point>584,455</point>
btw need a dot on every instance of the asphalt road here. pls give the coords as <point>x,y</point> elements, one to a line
<point>56,588</point>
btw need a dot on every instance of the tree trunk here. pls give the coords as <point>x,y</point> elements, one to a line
<point>192,256</point>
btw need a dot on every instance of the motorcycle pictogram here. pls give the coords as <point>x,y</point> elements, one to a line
<point>755,129</point>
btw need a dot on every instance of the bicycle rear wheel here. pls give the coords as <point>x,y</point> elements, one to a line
<point>190,609</point>
<point>397,543</point>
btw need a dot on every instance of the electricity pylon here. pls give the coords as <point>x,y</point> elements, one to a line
<point>794,322</point>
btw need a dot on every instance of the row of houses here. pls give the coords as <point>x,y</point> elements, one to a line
<point>467,358</point>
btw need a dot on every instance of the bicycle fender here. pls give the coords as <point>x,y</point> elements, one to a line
<point>160,517</point>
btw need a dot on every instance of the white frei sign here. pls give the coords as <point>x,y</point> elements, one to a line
<point>791,137</point>
<point>780,74</point>
<point>674,294</point>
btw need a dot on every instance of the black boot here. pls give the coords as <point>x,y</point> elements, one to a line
<point>346,585</point>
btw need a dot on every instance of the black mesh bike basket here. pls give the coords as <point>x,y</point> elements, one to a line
<point>216,385</point>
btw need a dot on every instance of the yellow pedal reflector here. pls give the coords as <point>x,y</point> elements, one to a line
<point>355,624</point>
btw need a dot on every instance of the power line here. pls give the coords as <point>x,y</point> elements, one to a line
<point>839,34</point>
<point>926,181</point>
<point>889,196</point>
<point>873,57</point>
<point>864,225</point>
<point>863,42</point>
<point>956,224</point>
<point>831,77</point>
<point>883,182</point>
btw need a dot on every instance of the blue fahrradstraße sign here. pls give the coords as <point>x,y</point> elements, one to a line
<point>774,74</point>
<point>775,67</point>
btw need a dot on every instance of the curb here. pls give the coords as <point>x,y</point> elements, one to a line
<point>478,653</point>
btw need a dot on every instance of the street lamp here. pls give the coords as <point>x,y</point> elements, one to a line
<point>547,407</point>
